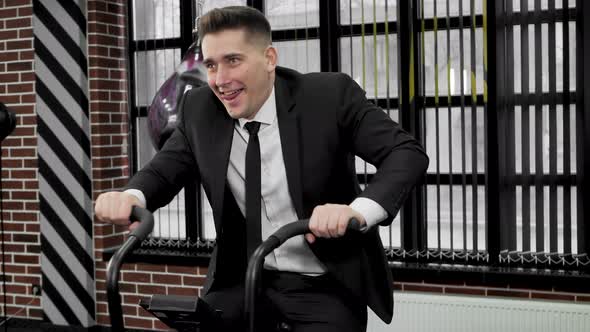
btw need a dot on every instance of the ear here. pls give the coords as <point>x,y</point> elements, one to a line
<point>271,58</point>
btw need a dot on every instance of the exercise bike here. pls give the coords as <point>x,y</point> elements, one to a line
<point>188,313</point>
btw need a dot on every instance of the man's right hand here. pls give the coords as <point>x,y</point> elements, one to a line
<point>115,207</point>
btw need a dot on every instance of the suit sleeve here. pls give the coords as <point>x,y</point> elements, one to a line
<point>399,158</point>
<point>170,170</point>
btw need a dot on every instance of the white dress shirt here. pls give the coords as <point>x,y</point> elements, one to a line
<point>277,206</point>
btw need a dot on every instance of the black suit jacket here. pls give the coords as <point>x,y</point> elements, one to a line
<point>324,120</point>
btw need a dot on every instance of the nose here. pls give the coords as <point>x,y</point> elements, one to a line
<point>222,76</point>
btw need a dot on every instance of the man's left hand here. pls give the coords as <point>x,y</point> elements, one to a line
<point>331,220</point>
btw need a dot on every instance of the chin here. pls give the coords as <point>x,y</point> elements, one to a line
<point>235,114</point>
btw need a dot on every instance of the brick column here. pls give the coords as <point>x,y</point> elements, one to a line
<point>107,61</point>
<point>19,160</point>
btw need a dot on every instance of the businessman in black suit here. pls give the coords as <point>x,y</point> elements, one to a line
<point>301,132</point>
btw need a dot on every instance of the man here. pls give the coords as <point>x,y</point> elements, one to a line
<point>305,131</point>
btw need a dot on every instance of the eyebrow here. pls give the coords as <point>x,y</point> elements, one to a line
<point>232,55</point>
<point>209,61</point>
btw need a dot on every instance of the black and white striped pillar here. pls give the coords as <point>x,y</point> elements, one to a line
<point>64,162</point>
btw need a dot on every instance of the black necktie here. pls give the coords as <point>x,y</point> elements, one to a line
<point>253,237</point>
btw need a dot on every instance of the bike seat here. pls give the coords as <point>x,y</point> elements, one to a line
<point>183,313</point>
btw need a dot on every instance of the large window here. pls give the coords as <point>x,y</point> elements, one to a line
<point>541,150</point>
<point>503,133</point>
<point>451,64</point>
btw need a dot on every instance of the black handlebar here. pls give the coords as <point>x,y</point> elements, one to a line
<point>257,259</point>
<point>135,238</point>
<point>146,224</point>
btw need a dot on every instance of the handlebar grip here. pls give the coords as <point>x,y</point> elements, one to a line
<point>146,222</point>
<point>302,227</point>
<point>135,237</point>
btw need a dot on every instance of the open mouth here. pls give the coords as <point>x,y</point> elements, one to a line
<point>231,94</point>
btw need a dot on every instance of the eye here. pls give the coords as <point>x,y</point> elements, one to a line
<point>210,66</point>
<point>233,61</point>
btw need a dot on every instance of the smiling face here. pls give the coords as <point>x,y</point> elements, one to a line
<point>240,70</point>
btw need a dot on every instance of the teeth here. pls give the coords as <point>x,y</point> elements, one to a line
<point>227,93</point>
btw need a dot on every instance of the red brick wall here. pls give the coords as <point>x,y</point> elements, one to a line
<point>108,121</point>
<point>19,160</point>
<point>107,86</point>
<point>110,168</point>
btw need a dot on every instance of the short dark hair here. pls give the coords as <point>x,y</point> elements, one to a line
<point>235,17</point>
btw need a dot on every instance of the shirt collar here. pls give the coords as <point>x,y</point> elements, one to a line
<point>267,113</point>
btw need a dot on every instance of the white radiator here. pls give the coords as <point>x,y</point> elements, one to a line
<point>419,312</point>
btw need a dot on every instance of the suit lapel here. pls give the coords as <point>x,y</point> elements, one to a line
<point>290,141</point>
